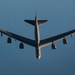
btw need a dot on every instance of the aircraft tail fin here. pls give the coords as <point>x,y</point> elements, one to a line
<point>32,22</point>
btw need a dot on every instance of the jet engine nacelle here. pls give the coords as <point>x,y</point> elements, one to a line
<point>71,35</point>
<point>1,34</point>
<point>65,41</point>
<point>53,46</point>
<point>9,40</point>
<point>21,45</point>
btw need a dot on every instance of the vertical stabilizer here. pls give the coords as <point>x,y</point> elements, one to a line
<point>36,16</point>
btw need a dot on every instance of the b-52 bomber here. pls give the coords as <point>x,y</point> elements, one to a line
<point>37,43</point>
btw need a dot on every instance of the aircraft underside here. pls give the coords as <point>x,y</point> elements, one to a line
<point>37,43</point>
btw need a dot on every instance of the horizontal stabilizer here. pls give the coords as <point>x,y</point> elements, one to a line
<point>33,22</point>
<point>41,22</point>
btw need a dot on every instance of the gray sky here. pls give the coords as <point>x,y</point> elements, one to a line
<point>61,18</point>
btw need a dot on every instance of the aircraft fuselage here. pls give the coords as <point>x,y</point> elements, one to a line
<point>37,38</point>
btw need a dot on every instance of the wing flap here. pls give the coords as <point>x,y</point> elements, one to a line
<point>55,38</point>
<point>18,37</point>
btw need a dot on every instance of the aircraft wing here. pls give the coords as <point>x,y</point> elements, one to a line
<point>18,37</point>
<point>55,38</point>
